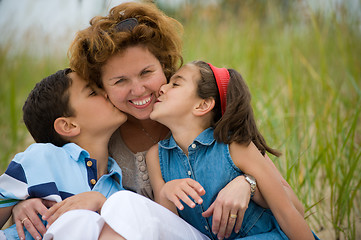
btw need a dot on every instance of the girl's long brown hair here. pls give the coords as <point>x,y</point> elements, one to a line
<point>237,123</point>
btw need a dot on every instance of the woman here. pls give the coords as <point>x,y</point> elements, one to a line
<point>131,53</point>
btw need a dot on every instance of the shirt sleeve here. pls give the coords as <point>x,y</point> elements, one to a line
<point>29,175</point>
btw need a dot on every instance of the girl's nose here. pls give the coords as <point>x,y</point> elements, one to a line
<point>162,89</point>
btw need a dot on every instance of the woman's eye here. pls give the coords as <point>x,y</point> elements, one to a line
<point>175,84</point>
<point>144,72</point>
<point>92,93</point>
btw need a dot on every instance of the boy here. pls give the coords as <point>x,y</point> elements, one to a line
<point>71,123</point>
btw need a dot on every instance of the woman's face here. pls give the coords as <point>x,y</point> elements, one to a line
<point>132,80</point>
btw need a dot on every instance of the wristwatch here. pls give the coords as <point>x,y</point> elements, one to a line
<point>252,181</point>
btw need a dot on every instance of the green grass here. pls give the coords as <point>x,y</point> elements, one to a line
<point>303,71</point>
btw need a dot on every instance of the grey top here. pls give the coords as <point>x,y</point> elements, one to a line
<point>134,169</point>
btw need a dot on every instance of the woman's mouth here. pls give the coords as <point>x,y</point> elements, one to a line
<point>142,102</point>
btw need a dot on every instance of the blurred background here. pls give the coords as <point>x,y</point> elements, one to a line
<point>300,59</point>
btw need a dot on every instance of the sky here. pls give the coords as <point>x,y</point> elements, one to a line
<point>48,26</point>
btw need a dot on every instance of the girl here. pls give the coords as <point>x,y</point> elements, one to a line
<point>215,139</point>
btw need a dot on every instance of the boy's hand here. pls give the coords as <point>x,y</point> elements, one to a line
<point>181,189</point>
<point>87,200</point>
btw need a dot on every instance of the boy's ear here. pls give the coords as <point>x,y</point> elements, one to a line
<point>65,127</point>
<point>205,106</point>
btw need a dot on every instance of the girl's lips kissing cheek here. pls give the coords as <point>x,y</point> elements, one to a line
<point>142,102</point>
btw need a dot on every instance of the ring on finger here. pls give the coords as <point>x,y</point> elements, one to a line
<point>22,221</point>
<point>234,216</point>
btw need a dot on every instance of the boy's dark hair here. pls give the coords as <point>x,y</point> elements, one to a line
<point>237,123</point>
<point>48,101</point>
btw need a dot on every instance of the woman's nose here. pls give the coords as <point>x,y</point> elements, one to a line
<point>138,89</point>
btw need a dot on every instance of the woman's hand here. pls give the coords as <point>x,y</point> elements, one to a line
<point>180,189</point>
<point>25,213</point>
<point>229,207</point>
<point>87,200</point>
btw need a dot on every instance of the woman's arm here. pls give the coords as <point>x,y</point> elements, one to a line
<point>250,161</point>
<point>5,213</point>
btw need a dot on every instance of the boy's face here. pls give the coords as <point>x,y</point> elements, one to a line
<point>93,111</point>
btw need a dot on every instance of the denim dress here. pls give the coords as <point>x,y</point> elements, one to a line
<point>210,164</point>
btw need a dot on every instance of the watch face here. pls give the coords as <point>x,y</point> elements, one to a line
<point>250,179</point>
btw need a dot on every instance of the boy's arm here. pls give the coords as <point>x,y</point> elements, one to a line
<point>250,161</point>
<point>156,179</point>
<point>5,213</point>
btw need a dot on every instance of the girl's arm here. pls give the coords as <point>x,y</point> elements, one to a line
<point>250,160</point>
<point>296,202</point>
<point>169,194</point>
<point>156,179</point>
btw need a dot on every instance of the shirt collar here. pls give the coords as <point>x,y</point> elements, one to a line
<point>75,151</point>
<point>205,138</point>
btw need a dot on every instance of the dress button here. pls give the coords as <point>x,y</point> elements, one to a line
<point>145,177</point>
<point>189,173</point>
<point>89,163</point>
<point>194,145</point>
<point>93,181</point>
<point>206,227</point>
<point>142,168</point>
<point>140,158</point>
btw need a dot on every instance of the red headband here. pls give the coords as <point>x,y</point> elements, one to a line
<point>222,79</point>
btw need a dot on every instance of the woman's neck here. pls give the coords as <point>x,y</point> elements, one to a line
<point>140,135</point>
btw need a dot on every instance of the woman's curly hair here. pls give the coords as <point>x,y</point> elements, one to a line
<point>160,34</point>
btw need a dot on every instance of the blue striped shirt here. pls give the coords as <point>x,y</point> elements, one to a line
<point>55,173</point>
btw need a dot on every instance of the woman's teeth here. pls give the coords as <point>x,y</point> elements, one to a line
<point>140,103</point>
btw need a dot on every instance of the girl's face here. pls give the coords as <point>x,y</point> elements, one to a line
<point>132,80</point>
<point>179,97</point>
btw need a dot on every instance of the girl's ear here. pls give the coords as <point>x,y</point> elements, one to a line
<point>205,106</point>
<point>66,127</point>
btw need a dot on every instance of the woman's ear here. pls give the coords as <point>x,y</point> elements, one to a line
<point>66,127</point>
<point>205,106</point>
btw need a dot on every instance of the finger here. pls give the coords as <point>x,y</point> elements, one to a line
<point>231,222</point>
<point>194,194</point>
<point>174,199</point>
<point>20,229</point>
<point>31,229</point>
<point>35,222</point>
<point>223,223</point>
<point>184,197</point>
<point>217,216</point>
<point>197,187</point>
<point>239,221</point>
<point>209,211</point>
<point>48,203</point>
<point>59,211</point>
<point>49,212</point>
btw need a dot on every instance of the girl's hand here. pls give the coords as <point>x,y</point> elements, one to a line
<point>87,200</point>
<point>229,207</point>
<point>180,189</point>
<point>25,213</point>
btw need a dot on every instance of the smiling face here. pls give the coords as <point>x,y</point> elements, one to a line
<point>132,80</point>
<point>93,112</point>
<point>179,97</point>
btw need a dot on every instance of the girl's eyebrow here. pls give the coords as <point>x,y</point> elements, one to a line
<point>178,77</point>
